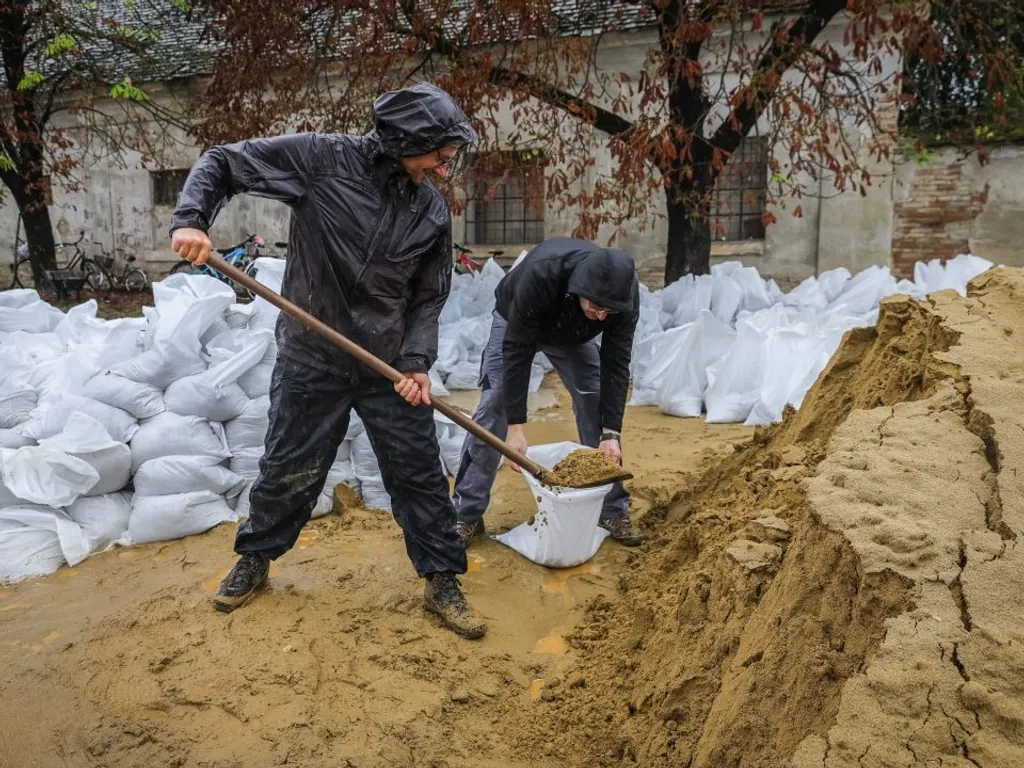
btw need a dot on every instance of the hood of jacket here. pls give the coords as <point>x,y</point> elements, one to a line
<point>419,119</point>
<point>607,277</point>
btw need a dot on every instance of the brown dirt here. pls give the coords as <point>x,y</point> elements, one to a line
<point>586,467</point>
<point>845,589</point>
<point>121,662</point>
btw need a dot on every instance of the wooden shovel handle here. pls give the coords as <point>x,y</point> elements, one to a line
<point>215,261</point>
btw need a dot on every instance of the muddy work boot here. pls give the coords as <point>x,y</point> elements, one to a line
<point>248,575</point>
<point>443,596</point>
<point>622,530</point>
<point>469,531</point>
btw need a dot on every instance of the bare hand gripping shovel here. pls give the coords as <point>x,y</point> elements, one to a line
<point>543,475</point>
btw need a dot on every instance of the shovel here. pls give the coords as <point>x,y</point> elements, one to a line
<point>546,476</point>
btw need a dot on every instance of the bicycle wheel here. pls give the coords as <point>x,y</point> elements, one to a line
<point>251,271</point>
<point>135,280</point>
<point>23,275</point>
<point>185,268</point>
<point>95,277</point>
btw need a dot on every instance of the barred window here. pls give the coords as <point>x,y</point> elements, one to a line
<point>739,195</point>
<point>506,199</point>
<point>167,185</point>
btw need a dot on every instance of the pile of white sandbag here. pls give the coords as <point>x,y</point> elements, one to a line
<point>733,346</point>
<point>144,429</point>
<point>465,326</point>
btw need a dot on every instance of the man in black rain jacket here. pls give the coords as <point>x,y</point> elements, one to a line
<point>369,253</point>
<point>557,300</point>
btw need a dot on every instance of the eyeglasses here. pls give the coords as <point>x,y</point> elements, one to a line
<point>446,161</point>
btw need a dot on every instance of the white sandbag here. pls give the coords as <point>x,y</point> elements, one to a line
<point>463,376</point>
<point>241,502</point>
<point>16,407</point>
<point>238,315</point>
<point>324,505</point>
<point>256,381</point>
<point>734,381</point>
<point>681,392</point>
<point>371,491</point>
<point>790,356</point>
<point>808,294</point>
<point>161,518</point>
<point>249,428</point>
<point>955,274</point>
<point>169,434</point>
<point>437,387</point>
<point>864,291</point>
<point>564,532</point>
<point>167,475</point>
<point>103,519</point>
<point>269,272</point>
<point>246,463</point>
<point>364,460</point>
<point>108,341</point>
<point>654,356</point>
<point>36,317</point>
<point>756,294</point>
<point>46,476</point>
<point>143,401</point>
<point>185,308</point>
<point>160,367</point>
<point>342,472</point>
<point>74,545</point>
<point>27,551</point>
<point>833,282</point>
<point>16,298</point>
<point>85,438</point>
<point>726,298</point>
<point>214,395</point>
<point>51,419</point>
<point>10,438</point>
<point>683,300</point>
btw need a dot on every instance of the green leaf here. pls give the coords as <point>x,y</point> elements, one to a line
<point>125,90</point>
<point>6,163</point>
<point>31,80</point>
<point>60,44</point>
<point>182,5</point>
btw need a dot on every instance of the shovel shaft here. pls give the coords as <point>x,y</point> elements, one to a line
<point>374,363</point>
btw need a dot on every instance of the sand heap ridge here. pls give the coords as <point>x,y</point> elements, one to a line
<point>844,589</point>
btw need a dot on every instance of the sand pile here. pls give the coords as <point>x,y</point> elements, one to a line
<point>845,589</point>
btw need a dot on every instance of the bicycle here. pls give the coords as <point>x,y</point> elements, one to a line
<point>466,264</point>
<point>95,277</point>
<point>242,256</point>
<point>131,279</point>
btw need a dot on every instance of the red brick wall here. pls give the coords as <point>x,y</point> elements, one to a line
<point>934,220</point>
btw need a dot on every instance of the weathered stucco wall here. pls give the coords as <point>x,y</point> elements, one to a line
<point>952,204</point>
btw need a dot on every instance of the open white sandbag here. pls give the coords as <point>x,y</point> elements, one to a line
<point>681,392</point>
<point>564,532</point>
<point>161,518</point>
<point>74,545</point>
<point>169,434</point>
<point>789,355</point>
<point>102,342</point>
<point>85,438</point>
<point>734,380</point>
<point>186,307</point>
<point>46,476</point>
<point>16,407</point>
<point>214,394</point>
<point>249,428</point>
<point>168,475</point>
<point>653,358</point>
<point>141,400</point>
<point>103,519</point>
<point>50,419</point>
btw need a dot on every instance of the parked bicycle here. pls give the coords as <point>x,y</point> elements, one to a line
<point>95,277</point>
<point>131,278</point>
<point>466,264</point>
<point>242,256</point>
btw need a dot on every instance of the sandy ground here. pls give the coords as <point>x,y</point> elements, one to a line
<point>122,662</point>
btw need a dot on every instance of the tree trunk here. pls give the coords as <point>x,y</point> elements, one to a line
<point>39,236</point>
<point>689,232</point>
